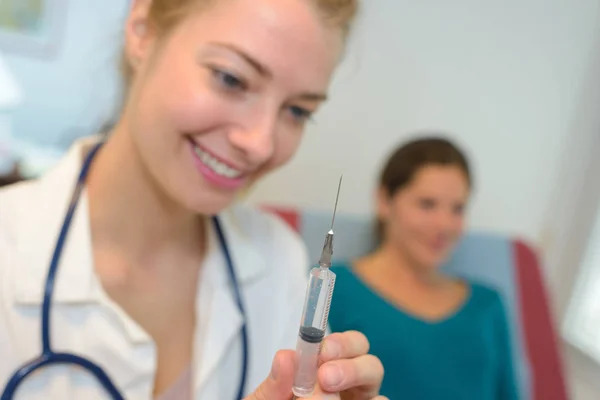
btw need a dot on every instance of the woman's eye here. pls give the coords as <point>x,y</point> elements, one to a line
<point>300,114</point>
<point>228,80</point>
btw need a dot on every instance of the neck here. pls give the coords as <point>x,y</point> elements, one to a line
<point>394,264</point>
<point>127,208</point>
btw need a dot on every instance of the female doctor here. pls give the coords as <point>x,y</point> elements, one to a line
<point>127,272</point>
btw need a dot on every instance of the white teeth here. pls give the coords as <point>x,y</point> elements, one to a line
<point>216,165</point>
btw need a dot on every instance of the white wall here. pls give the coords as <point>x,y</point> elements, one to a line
<point>73,91</point>
<point>573,206</point>
<point>10,96</point>
<point>503,77</point>
<point>583,374</point>
<point>574,202</point>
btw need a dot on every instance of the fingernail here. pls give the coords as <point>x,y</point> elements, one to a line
<point>275,369</point>
<point>333,376</point>
<point>331,350</point>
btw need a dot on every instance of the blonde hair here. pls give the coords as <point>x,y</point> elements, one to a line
<point>164,15</point>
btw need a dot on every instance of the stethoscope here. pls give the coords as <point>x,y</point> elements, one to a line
<point>50,357</point>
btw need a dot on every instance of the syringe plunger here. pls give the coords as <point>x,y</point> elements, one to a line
<point>312,329</point>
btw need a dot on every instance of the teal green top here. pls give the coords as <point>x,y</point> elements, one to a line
<point>465,356</point>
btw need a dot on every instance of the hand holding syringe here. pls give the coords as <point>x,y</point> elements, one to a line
<point>314,318</point>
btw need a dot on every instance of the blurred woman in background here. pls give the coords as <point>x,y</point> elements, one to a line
<point>439,337</point>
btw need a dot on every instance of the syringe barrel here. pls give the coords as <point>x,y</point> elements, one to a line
<point>318,298</point>
<point>312,329</point>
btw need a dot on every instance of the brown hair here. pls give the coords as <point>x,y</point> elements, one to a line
<point>164,15</point>
<point>404,163</point>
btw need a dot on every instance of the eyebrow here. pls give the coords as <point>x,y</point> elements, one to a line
<point>313,96</point>
<point>264,71</point>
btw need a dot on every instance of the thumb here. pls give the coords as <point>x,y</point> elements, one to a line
<point>278,385</point>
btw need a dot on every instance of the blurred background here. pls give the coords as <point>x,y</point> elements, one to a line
<point>516,84</point>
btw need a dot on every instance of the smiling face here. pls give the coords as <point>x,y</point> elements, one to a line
<point>224,98</point>
<point>425,219</point>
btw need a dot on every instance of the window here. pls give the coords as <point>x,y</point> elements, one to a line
<point>582,323</point>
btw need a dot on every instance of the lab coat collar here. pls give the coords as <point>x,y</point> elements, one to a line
<point>218,316</point>
<point>39,230</point>
<point>248,263</point>
<point>220,319</point>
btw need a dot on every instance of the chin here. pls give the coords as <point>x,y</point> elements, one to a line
<point>429,266</point>
<point>210,205</point>
<point>200,199</point>
<point>431,262</point>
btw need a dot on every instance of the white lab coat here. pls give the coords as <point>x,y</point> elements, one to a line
<point>269,259</point>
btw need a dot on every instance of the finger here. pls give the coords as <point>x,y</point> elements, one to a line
<point>278,386</point>
<point>348,344</point>
<point>363,373</point>
<point>320,395</point>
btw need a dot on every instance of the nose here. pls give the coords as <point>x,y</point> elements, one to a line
<point>256,142</point>
<point>447,221</point>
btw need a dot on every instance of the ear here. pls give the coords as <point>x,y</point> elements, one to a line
<point>139,36</point>
<point>383,202</point>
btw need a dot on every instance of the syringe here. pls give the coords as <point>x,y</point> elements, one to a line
<point>314,318</point>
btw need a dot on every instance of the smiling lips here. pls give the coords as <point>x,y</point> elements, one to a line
<point>216,170</point>
<point>438,245</point>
